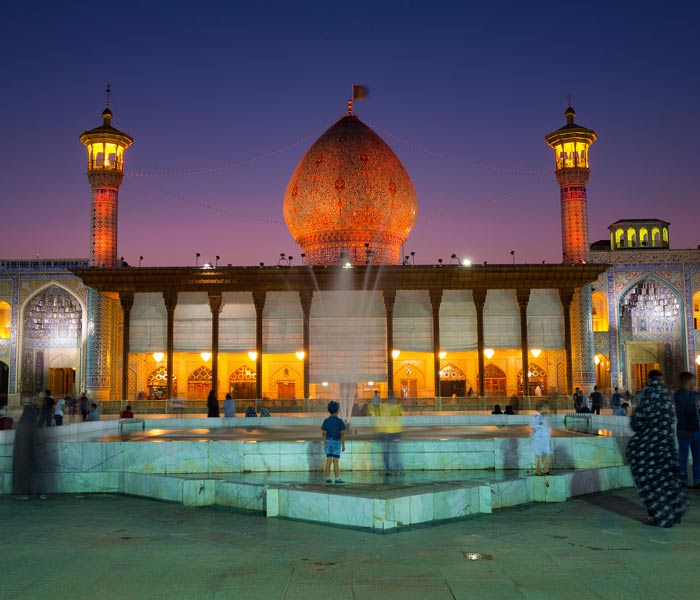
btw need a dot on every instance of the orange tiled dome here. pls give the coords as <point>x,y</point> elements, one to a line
<point>350,190</point>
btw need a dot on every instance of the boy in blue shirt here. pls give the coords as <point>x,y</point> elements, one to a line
<point>334,439</point>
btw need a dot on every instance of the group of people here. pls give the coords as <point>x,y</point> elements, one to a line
<point>49,411</point>
<point>619,403</point>
<point>497,410</point>
<point>229,406</point>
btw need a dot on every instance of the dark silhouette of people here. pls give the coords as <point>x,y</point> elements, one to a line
<point>509,410</point>
<point>212,405</point>
<point>497,410</point>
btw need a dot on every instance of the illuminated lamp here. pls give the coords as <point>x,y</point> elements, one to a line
<point>466,262</point>
<point>301,354</point>
<point>347,265</point>
<point>205,356</point>
<point>370,383</point>
<point>489,352</point>
<point>442,354</point>
<point>324,384</point>
<point>158,356</point>
<point>253,355</point>
<point>536,352</point>
<point>596,359</point>
<point>697,359</point>
<point>396,353</point>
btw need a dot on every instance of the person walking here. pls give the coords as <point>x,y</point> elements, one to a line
<point>596,400</point>
<point>47,410</point>
<point>541,435</point>
<point>652,455</point>
<point>58,413</point>
<point>616,400</point>
<point>84,407</point>
<point>687,428</point>
<point>212,405</point>
<point>376,403</point>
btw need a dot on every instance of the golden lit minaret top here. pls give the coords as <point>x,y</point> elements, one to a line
<point>571,144</point>
<point>105,146</point>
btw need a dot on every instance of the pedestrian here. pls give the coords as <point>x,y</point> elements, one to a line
<point>596,400</point>
<point>376,403</point>
<point>93,414</point>
<point>621,411</point>
<point>687,428</point>
<point>538,391</point>
<point>26,456</point>
<point>126,414</point>
<point>58,413</point>
<point>84,408</point>
<point>229,406</point>
<point>616,400</point>
<point>578,399</point>
<point>47,409</point>
<point>541,435</point>
<point>212,405</point>
<point>389,428</point>
<point>334,440</point>
<point>652,455</point>
<point>496,410</point>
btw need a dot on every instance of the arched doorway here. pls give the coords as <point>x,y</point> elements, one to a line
<point>158,384</point>
<point>453,381</point>
<point>242,384</point>
<point>537,378</point>
<point>199,384</point>
<point>51,340</point>
<point>602,372</point>
<point>494,381</point>
<point>410,380</point>
<point>287,380</point>
<point>651,332</point>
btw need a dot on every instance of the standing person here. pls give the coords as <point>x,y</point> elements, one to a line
<point>58,413</point>
<point>47,410</point>
<point>212,405</point>
<point>334,440</point>
<point>25,459</point>
<point>578,399</point>
<point>229,406</point>
<point>376,403</point>
<point>84,406</point>
<point>596,400</point>
<point>541,436</point>
<point>687,428</point>
<point>652,455</point>
<point>616,400</point>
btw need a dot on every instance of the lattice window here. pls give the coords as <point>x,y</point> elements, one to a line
<point>243,374</point>
<point>451,373</point>
<point>202,374</point>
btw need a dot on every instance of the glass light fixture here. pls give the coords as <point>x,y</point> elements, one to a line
<point>301,354</point>
<point>370,383</point>
<point>697,359</point>
<point>466,262</point>
<point>596,359</point>
<point>489,352</point>
<point>442,354</point>
<point>324,384</point>
<point>158,356</point>
<point>205,356</point>
<point>253,355</point>
<point>396,353</point>
<point>536,352</point>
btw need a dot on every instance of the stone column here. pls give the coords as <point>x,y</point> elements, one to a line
<point>582,340</point>
<point>127,301</point>
<point>215,305</point>
<point>523,297</point>
<point>389,301</point>
<point>479,296</point>
<point>435,301</point>
<point>100,347</point>
<point>170,298</point>
<point>259,301</point>
<point>306,298</point>
<point>566,296</point>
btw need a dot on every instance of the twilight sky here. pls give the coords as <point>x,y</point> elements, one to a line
<point>229,96</point>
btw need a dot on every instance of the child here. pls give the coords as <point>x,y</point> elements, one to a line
<point>334,440</point>
<point>541,436</point>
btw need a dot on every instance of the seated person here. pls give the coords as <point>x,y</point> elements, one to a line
<point>229,406</point>
<point>94,414</point>
<point>497,410</point>
<point>509,410</point>
<point>250,412</point>
<point>264,412</point>
<point>621,411</point>
<point>584,409</point>
<point>126,414</point>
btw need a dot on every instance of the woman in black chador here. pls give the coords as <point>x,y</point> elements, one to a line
<point>653,457</point>
<point>212,405</point>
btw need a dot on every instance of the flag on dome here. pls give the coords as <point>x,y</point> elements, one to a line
<point>359,92</point>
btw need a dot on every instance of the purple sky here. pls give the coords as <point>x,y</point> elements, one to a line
<point>215,84</point>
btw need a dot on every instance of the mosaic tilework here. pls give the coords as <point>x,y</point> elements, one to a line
<point>99,342</point>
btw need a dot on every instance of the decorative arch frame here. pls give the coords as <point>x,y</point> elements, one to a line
<point>599,305</point>
<point>415,373</point>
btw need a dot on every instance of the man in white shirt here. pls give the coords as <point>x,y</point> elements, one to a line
<point>58,412</point>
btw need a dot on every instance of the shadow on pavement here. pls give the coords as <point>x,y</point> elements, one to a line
<point>616,504</point>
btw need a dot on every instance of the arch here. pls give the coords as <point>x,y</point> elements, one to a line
<point>631,237</point>
<point>410,379</point>
<point>656,237</point>
<point>157,383</point>
<point>665,237</point>
<point>599,310</point>
<point>5,320</point>
<point>286,381</point>
<point>696,310</point>
<point>243,383</point>
<point>494,381</point>
<point>602,372</point>
<point>453,381</point>
<point>643,236</point>
<point>199,383</point>
<point>537,377</point>
<point>619,238</point>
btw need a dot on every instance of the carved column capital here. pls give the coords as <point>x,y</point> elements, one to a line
<point>479,297</point>
<point>170,299</point>
<point>259,300</point>
<point>435,299</point>
<point>523,297</point>
<point>216,302</point>
<point>306,297</point>
<point>389,300</point>
<point>126,299</point>
<point>566,295</point>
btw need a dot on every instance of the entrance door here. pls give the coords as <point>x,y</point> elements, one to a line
<point>640,374</point>
<point>61,381</point>
<point>409,388</point>
<point>285,389</point>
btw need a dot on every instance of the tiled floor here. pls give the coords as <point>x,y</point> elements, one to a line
<point>119,547</point>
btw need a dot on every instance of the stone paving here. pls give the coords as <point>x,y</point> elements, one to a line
<point>103,546</point>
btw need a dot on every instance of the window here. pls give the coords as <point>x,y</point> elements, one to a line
<point>599,312</point>
<point>5,321</point>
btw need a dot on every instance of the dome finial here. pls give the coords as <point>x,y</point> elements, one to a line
<point>107,113</point>
<point>349,106</point>
<point>108,91</point>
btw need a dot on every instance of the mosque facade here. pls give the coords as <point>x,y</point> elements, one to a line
<point>357,315</point>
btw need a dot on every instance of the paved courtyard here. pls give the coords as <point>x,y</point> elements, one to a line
<point>106,546</point>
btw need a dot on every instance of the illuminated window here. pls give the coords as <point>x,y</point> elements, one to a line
<point>643,237</point>
<point>656,237</point>
<point>696,309</point>
<point>5,320</point>
<point>620,238</point>
<point>199,383</point>
<point>631,238</point>
<point>665,233</point>
<point>158,384</point>
<point>600,312</point>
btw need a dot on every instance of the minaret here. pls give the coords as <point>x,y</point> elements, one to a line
<point>105,146</point>
<point>571,143</point>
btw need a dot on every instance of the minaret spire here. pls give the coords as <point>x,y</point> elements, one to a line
<point>108,92</point>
